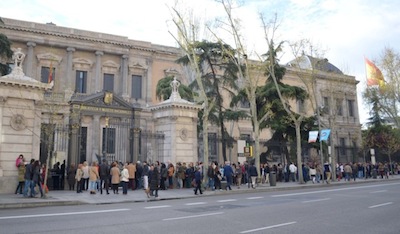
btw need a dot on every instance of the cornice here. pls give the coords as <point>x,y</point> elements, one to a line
<point>71,33</point>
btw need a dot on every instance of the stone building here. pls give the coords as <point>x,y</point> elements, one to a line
<point>103,103</point>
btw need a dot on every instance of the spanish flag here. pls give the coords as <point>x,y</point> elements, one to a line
<point>50,78</point>
<point>374,75</point>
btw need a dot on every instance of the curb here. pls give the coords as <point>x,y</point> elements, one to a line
<point>219,193</point>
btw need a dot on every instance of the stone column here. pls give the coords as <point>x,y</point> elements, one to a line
<point>74,154</point>
<point>124,71</point>
<point>96,133</point>
<point>29,59</point>
<point>69,82</point>
<point>98,76</point>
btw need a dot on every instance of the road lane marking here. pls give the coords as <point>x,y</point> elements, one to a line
<point>316,200</point>
<point>269,227</point>
<point>193,216</point>
<point>379,205</point>
<point>62,214</point>
<point>332,190</point>
<point>195,203</point>
<point>379,191</point>
<point>157,207</point>
<point>253,198</point>
<point>227,200</point>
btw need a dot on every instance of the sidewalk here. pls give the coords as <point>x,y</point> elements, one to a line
<point>65,197</point>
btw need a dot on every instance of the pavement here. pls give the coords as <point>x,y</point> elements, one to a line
<point>66,197</point>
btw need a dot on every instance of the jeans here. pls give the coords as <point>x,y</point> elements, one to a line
<point>211,183</point>
<point>28,185</point>
<point>92,185</point>
<point>228,182</point>
<point>124,187</point>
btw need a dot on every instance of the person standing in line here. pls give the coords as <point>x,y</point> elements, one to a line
<point>154,180</point>
<point>125,179</point>
<point>211,176</point>
<point>327,169</point>
<point>28,180</point>
<point>21,180</point>
<point>62,175</point>
<point>138,175</point>
<point>238,172</point>
<point>164,175</point>
<point>313,173</point>
<point>197,178</point>
<point>355,171</point>
<point>228,172</point>
<point>93,177</point>
<point>132,171</point>
<point>348,171</point>
<point>217,177</point>
<point>145,175</point>
<point>78,178</point>
<point>292,171</point>
<point>171,173</point>
<point>115,177</point>
<point>104,177</point>
<point>266,173</point>
<point>71,177</point>
<point>37,178</point>
<point>19,160</point>
<point>253,175</point>
<point>85,177</point>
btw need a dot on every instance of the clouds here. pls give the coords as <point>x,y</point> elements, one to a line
<point>347,30</point>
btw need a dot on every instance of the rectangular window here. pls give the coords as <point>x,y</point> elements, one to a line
<point>244,103</point>
<point>108,83</point>
<point>342,143</point>
<point>300,106</point>
<point>108,144</point>
<point>326,105</point>
<point>136,88</point>
<point>350,105</point>
<point>212,144</point>
<point>81,81</point>
<point>339,108</point>
<point>45,76</point>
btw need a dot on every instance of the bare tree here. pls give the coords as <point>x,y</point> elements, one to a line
<point>188,29</point>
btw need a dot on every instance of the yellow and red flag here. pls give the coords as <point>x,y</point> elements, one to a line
<point>374,75</point>
<point>50,78</point>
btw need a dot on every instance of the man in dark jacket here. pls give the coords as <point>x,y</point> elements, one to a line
<point>228,172</point>
<point>253,175</point>
<point>28,179</point>
<point>104,176</point>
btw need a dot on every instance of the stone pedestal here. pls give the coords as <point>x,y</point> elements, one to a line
<point>177,119</point>
<point>21,98</point>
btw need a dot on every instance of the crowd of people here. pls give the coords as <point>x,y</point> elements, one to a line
<point>106,177</point>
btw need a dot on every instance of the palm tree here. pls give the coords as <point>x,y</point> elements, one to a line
<point>164,89</point>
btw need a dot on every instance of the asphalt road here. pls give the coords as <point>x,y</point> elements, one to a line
<point>359,208</point>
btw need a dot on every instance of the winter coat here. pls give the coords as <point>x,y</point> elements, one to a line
<point>154,179</point>
<point>131,170</point>
<point>253,171</point>
<point>125,175</point>
<point>71,175</point>
<point>93,173</point>
<point>114,172</point>
<point>79,174</point>
<point>21,173</point>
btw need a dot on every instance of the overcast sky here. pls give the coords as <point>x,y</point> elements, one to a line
<point>344,30</point>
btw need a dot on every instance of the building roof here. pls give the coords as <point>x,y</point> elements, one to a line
<point>311,63</point>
